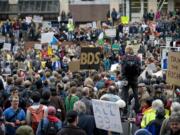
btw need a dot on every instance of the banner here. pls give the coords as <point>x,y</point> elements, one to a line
<point>173,72</point>
<point>90,58</point>
<point>107,115</point>
<point>7,46</point>
<point>124,19</point>
<point>110,32</point>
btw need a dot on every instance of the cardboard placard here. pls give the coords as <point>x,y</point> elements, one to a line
<point>173,72</point>
<point>124,19</point>
<point>74,66</point>
<point>28,19</point>
<point>54,47</point>
<point>38,46</point>
<point>46,37</point>
<point>110,32</point>
<point>90,58</point>
<point>107,115</point>
<point>2,39</point>
<point>37,19</point>
<point>168,41</point>
<point>7,46</point>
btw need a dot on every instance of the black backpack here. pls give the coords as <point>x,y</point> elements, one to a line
<point>51,129</point>
<point>132,66</point>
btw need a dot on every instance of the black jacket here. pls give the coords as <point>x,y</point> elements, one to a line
<point>71,130</point>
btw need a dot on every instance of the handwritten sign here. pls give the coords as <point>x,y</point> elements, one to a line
<point>37,19</point>
<point>107,115</point>
<point>168,41</point>
<point>37,46</point>
<point>124,19</point>
<point>7,46</point>
<point>173,72</point>
<point>46,37</point>
<point>110,32</point>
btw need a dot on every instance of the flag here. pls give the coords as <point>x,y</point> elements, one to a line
<point>54,40</point>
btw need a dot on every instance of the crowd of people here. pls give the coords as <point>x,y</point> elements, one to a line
<point>46,98</point>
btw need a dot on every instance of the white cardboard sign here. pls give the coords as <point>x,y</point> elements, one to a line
<point>38,46</point>
<point>46,37</point>
<point>110,32</point>
<point>7,46</point>
<point>107,115</point>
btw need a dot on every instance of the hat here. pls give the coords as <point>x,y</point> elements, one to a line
<point>71,116</point>
<point>142,132</point>
<point>24,130</point>
<point>51,110</point>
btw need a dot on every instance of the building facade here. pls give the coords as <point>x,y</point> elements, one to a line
<point>83,10</point>
<point>48,9</point>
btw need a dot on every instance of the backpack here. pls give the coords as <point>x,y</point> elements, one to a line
<point>131,66</point>
<point>36,116</point>
<point>51,129</point>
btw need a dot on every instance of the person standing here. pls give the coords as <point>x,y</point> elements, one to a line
<point>14,116</point>
<point>131,69</point>
<point>72,128</point>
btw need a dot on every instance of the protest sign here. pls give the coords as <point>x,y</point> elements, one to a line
<point>74,66</point>
<point>38,46</point>
<point>110,32</point>
<point>37,19</point>
<point>28,19</point>
<point>2,39</point>
<point>90,58</point>
<point>135,47</point>
<point>7,46</point>
<point>173,72</point>
<point>46,37</point>
<point>54,47</point>
<point>107,115</point>
<point>168,41</point>
<point>46,25</point>
<point>124,19</point>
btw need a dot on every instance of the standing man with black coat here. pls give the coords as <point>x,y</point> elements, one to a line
<point>131,68</point>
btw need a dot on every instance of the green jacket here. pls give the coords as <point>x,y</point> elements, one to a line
<point>69,102</point>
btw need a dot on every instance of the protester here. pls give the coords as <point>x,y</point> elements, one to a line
<point>85,121</point>
<point>49,125</point>
<point>72,129</point>
<point>14,116</point>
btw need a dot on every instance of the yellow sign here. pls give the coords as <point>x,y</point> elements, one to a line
<point>124,19</point>
<point>173,72</point>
